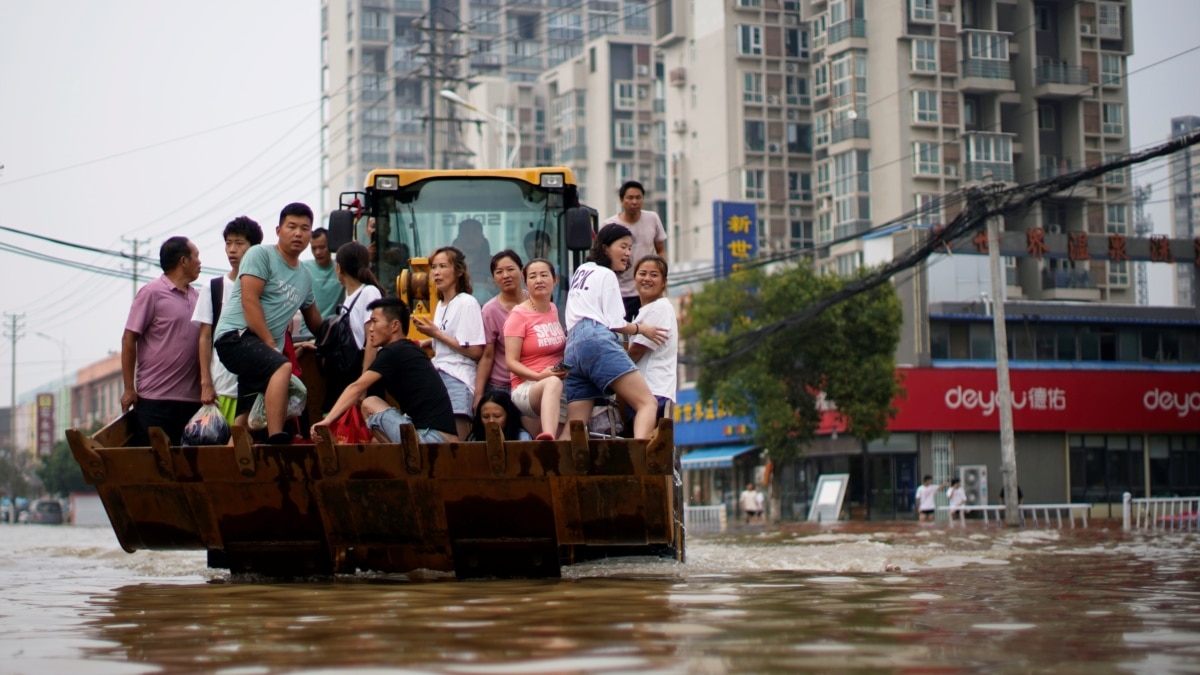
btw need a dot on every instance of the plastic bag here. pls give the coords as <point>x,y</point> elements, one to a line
<point>207,427</point>
<point>297,400</point>
<point>350,428</point>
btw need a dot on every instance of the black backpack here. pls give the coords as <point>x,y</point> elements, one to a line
<point>337,351</point>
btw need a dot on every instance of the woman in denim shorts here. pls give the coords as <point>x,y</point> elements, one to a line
<point>595,313</point>
<point>456,332</point>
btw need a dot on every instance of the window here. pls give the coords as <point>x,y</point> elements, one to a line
<point>1114,220</point>
<point>752,87</point>
<point>637,17</point>
<point>848,262</point>
<point>821,80</point>
<point>849,81</point>
<point>626,137</point>
<point>928,208</point>
<point>1116,177</point>
<point>1045,20</point>
<point>799,186</point>
<point>990,46</point>
<point>924,56</point>
<point>925,107</point>
<point>795,43</point>
<point>1047,117</point>
<point>927,159</point>
<point>1118,273</point>
<point>1108,22</point>
<point>801,234</point>
<point>921,10</point>
<point>753,184</point>
<point>626,95</point>
<point>821,127</point>
<point>799,138</point>
<point>1113,116</point>
<point>749,40</point>
<point>797,90</point>
<point>755,135</point>
<point>1111,69</point>
<point>989,148</point>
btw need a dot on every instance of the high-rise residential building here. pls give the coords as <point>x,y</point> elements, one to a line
<point>1185,202</point>
<point>384,62</point>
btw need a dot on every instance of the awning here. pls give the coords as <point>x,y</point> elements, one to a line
<point>714,458</point>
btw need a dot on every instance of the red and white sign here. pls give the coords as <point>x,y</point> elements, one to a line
<point>45,424</point>
<point>964,399</point>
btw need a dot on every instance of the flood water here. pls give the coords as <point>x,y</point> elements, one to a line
<point>775,599</point>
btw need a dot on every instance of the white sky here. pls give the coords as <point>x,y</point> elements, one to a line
<point>146,119</point>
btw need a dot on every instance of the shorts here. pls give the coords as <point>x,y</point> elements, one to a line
<point>170,416</point>
<point>596,359</point>
<point>520,398</point>
<point>228,407</point>
<point>930,512</point>
<point>633,304</point>
<point>244,355</point>
<point>460,395</point>
<point>389,422</point>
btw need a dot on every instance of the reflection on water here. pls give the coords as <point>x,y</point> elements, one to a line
<point>801,598</point>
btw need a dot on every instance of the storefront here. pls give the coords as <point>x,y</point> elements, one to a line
<point>719,456</point>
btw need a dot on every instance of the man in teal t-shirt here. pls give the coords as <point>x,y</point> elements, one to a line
<point>326,288</point>
<point>271,286</point>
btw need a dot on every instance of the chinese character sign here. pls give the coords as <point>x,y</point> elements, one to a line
<point>45,424</point>
<point>735,235</point>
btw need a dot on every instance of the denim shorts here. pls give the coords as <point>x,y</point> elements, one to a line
<point>460,396</point>
<point>596,359</point>
<point>389,422</point>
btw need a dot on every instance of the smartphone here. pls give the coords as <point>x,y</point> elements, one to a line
<point>561,365</point>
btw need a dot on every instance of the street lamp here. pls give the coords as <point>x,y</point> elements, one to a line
<point>510,156</point>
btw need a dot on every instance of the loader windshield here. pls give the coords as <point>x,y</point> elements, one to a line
<point>479,215</point>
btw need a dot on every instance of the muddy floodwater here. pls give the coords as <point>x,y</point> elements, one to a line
<point>856,597</point>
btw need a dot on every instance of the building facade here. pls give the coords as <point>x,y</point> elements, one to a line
<point>1185,201</point>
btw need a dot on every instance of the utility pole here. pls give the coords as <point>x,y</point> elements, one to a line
<point>13,332</point>
<point>135,242</point>
<point>1143,226</point>
<point>442,28</point>
<point>1008,449</point>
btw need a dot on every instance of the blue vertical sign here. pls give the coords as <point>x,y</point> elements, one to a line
<point>735,235</point>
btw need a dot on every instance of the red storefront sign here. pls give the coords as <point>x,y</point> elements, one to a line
<point>45,424</point>
<point>964,399</point>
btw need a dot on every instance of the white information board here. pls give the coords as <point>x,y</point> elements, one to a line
<point>827,504</point>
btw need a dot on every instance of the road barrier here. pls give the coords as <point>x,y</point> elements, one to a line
<point>1168,513</point>
<point>704,518</point>
<point>1037,515</point>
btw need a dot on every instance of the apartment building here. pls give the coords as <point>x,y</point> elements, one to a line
<point>384,63</point>
<point>1185,209</point>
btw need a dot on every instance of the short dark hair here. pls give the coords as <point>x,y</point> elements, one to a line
<point>296,209</point>
<point>605,237</point>
<point>955,481</point>
<point>243,226</point>
<point>172,251</point>
<point>927,477</point>
<point>507,253</point>
<point>630,184</point>
<point>394,309</point>
<point>319,232</point>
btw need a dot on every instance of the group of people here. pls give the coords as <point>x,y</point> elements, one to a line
<point>509,362</point>
<point>927,494</point>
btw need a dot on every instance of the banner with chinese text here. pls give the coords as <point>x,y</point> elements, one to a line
<point>735,235</point>
<point>45,424</point>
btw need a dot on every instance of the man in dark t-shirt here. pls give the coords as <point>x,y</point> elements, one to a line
<point>406,373</point>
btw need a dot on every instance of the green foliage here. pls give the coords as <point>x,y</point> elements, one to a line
<point>847,352</point>
<point>60,474</point>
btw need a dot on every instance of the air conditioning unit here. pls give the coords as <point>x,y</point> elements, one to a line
<point>679,126</point>
<point>677,77</point>
<point>772,99</point>
<point>641,92</point>
<point>793,114</point>
<point>1085,28</point>
<point>793,67</point>
<point>774,147</point>
<point>946,17</point>
<point>974,483</point>
<point>643,71</point>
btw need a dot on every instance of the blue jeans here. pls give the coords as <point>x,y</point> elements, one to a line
<point>596,360</point>
<point>389,422</point>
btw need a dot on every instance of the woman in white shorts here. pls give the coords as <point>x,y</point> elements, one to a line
<point>456,333</point>
<point>533,347</point>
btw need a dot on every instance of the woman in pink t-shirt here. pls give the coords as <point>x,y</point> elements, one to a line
<point>533,345</point>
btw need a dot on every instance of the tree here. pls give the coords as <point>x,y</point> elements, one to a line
<point>846,353</point>
<point>60,473</point>
<point>14,473</point>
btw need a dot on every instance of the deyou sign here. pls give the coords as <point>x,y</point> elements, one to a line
<point>964,399</point>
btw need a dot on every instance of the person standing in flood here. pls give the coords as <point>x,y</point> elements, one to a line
<point>925,496</point>
<point>649,238</point>
<point>162,376</point>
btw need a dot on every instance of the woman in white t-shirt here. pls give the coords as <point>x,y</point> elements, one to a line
<point>534,341</point>
<point>597,364</point>
<point>657,362</point>
<point>352,266</point>
<point>456,332</point>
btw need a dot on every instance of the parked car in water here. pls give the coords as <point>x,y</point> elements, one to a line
<point>46,511</point>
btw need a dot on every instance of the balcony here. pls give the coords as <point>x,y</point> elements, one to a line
<point>852,28</point>
<point>988,171</point>
<point>1060,80</point>
<point>530,62</point>
<point>1053,167</point>
<point>485,61</point>
<point>1069,284</point>
<point>849,129</point>
<point>376,4</point>
<point>987,75</point>
<point>376,34</point>
<point>417,6</point>
<point>564,33</point>
<point>850,228</point>
<point>374,94</point>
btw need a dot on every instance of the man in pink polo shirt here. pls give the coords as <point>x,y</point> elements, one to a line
<point>162,376</point>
